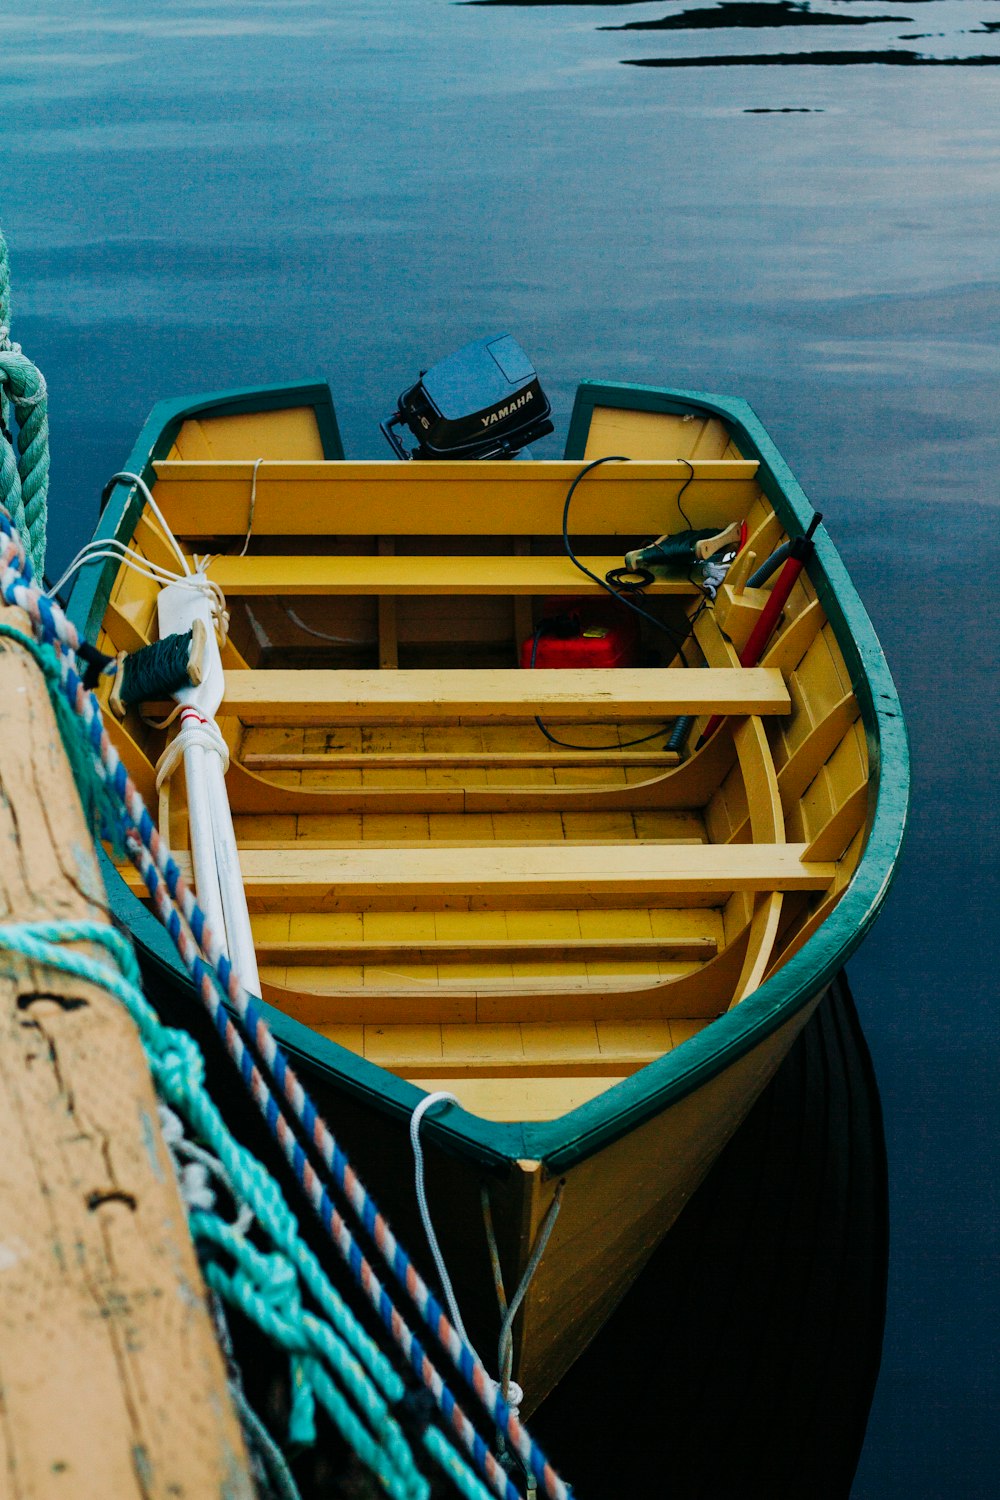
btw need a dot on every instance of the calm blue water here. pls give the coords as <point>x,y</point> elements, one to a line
<point>207,194</point>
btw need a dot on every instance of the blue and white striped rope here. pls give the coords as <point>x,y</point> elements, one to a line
<point>202,955</point>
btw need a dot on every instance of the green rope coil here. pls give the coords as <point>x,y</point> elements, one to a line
<point>24,479</point>
<point>265,1286</point>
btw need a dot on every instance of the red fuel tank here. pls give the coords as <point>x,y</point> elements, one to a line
<point>585,632</point>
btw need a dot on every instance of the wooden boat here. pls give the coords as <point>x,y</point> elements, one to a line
<point>603,953</point>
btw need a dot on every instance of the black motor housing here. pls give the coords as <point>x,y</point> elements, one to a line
<point>483,401</point>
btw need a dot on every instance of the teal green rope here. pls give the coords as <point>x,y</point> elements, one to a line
<point>264,1286</point>
<point>100,807</point>
<point>461,1476</point>
<point>24,480</point>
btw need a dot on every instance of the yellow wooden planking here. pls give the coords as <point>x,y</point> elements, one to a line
<point>759,781</point>
<point>738,613</point>
<point>766,535</point>
<point>818,676</point>
<point>520,1098</point>
<point>290,433</point>
<point>280,575</point>
<point>129,621</point>
<point>791,644</point>
<point>149,539</point>
<point>648,434</point>
<point>443,498</point>
<point>318,997</point>
<point>323,697</point>
<point>536,1049</point>
<point>763,932</point>
<point>815,749</point>
<point>833,838</point>
<point>815,918</point>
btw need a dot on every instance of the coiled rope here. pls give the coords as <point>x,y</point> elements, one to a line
<point>214,979</point>
<point>24,479</point>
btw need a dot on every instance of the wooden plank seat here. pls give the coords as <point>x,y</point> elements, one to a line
<point>431,760</point>
<point>363,879</point>
<point>494,950</point>
<point>366,498</point>
<point>312,697</point>
<point>283,576</point>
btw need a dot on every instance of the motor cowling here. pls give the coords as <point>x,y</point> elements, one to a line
<point>483,401</point>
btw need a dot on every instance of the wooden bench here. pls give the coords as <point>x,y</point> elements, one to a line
<point>480,950</point>
<point>294,576</point>
<point>499,696</point>
<point>340,498</point>
<point>305,879</point>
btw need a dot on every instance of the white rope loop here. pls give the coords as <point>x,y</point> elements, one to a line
<point>427,1103</point>
<point>194,730</point>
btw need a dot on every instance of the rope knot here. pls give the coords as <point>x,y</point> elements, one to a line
<point>278,1284</point>
<point>180,1069</point>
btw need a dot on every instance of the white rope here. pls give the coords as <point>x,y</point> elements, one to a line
<point>144,490</point>
<point>428,1102</point>
<point>322,635</point>
<point>505,1345</point>
<point>195,1167</point>
<point>195,730</point>
<point>104,550</point>
<point>253,503</point>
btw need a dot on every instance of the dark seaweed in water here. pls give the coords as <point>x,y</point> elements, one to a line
<point>814,60</point>
<point>736,14</point>
<point>745,5</point>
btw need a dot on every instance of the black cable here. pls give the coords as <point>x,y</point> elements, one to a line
<point>565,744</point>
<point>682,489</point>
<point>678,641</point>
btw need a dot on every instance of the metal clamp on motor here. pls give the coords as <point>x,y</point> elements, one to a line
<point>484,401</point>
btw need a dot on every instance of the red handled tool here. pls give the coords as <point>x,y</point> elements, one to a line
<point>799,553</point>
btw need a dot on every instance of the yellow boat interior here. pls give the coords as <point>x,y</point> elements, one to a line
<point>433,883</point>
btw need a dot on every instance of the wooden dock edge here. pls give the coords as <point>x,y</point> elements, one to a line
<point>112,1384</point>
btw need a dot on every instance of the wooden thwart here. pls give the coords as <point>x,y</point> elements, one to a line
<point>448,499</point>
<point>427,760</point>
<point>503,695</point>
<point>302,575</point>
<point>299,879</point>
<point>498,950</point>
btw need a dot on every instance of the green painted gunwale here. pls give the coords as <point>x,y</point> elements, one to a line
<point>563,1142</point>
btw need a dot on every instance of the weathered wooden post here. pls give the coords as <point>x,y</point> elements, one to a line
<point>111,1381</point>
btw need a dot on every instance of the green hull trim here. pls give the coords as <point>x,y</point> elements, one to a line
<point>564,1142</point>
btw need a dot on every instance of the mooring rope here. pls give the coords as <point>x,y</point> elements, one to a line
<point>24,479</point>
<point>176,905</point>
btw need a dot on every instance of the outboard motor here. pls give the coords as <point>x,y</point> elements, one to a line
<point>484,401</point>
